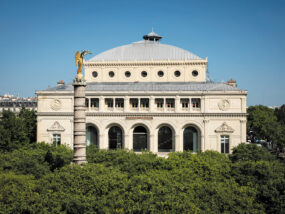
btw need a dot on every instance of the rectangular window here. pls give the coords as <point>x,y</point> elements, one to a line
<point>196,103</point>
<point>56,139</point>
<point>144,104</point>
<point>109,103</point>
<point>94,103</point>
<point>225,144</point>
<point>170,104</point>
<point>184,104</point>
<point>159,103</point>
<point>119,103</point>
<point>134,103</point>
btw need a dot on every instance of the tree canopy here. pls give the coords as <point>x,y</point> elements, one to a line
<point>39,178</point>
<point>263,122</point>
<point>280,113</point>
<point>17,130</point>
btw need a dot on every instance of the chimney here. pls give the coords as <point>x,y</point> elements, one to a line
<point>61,82</point>
<point>232,82</point>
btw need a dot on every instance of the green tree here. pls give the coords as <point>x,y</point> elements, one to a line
<point>18,193</point>
<point>263,121</point>
<point>17,131</point>
<point>29,119</point>
<point>250,152</point>
<point>33,159</point>
<point>280,113</point>
<point>13,133</point>
<point>255,167</point>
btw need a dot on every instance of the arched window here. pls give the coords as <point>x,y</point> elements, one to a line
<point>115,138</point>
<point>140,138</point>
<point>165,142</point>
<point>190,139</point>
<point>91,136</point>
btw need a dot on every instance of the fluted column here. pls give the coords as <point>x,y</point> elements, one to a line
<point>79,144</point>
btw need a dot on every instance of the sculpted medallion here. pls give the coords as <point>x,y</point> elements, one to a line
<point>55,104</point>
<point>224,104</point>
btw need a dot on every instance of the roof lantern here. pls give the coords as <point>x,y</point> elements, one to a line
<point>152,36</point>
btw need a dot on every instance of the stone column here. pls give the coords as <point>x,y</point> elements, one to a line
<point>79,144</point>
<point>151,104</point>
<point>177,103</point>
<point>101,104</point>
<point>126,104</point>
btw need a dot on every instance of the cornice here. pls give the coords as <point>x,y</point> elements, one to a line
<point>142,63</point>
<point>129,115</point>
<point>144,93</point>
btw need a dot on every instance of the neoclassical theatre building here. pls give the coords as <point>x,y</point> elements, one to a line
<point>147,96</point>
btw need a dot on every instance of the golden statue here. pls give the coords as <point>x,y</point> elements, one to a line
<point>79,61</point>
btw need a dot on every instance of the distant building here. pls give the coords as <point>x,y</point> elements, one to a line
<point>15,104</point>
<point>148,96</point>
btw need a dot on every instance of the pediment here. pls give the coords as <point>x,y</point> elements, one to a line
<point>225,128</point>
<point>56,127</point>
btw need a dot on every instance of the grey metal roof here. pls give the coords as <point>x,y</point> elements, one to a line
<point>150,86</point>
<point>145,51</point>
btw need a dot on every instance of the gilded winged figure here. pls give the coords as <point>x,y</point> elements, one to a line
<point>79,61</point>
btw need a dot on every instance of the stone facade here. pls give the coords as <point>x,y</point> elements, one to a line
<point>129,110</point>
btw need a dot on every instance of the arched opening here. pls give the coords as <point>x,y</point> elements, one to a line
<point>115,138</point>
<point>91,136</point>
<point>140,138</point>
<point>165,140</point>
<point>190,139</point>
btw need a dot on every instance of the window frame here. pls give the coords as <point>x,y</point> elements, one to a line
<point>225,144</point>
<point>56,139</point>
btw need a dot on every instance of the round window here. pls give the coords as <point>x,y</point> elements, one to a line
<point>144,73</point>
<point>111,74</point>
<point>195,73</point>
<point>177,73</point>
<point>127,74</point>
<point>94,74</point>
<point>160,73</point>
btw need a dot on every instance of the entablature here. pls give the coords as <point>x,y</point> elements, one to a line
<point>146,63</point>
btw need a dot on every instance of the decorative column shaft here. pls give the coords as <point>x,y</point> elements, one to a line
<point>79,144</point>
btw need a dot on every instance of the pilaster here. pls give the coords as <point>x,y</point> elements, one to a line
<point>101,104</point>
<point>204,136</point>
<point>127,104</point>
<point>178,142</point>
<point>177,104</point>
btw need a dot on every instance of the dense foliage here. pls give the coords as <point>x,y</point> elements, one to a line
<point>39,178</point>
<point>280,113</point>
<point>267,124</point>
<point>16,131</point>
<point>254,167</point>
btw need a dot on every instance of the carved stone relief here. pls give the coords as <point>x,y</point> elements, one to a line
<point>56,127</point>
<point>224,104</point>
<point>55,104</point>
<point>225,128</point>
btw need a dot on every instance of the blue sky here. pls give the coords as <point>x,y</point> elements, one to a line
<point>243,40</point>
